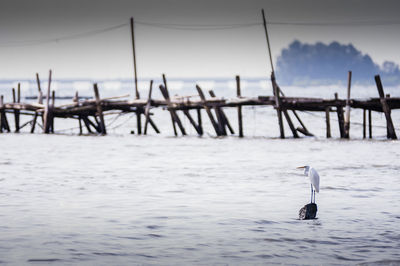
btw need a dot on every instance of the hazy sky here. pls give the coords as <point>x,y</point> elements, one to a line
<point>181,53</point>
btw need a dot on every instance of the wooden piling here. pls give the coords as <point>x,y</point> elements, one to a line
<point>277,104</point>
<point>2,113</point>
<point>191,120</point>
<point>147,108</point>
<point>339,111</point>
<point>99,110</point>
<point>208,111</point>
<point>328,123</point>
<point>199,121</point>
<point>391,134</point>
<point>370,123</point>
<point>364,123</point>
<point>47,111</point>
<point>3,116</point>
<point>53,101</point>
<point>174,117</point>
<point>347,117</point>
<point>87,124</point>
<point>16,111</point>
<point>239,108</point>
<point>222,116</point>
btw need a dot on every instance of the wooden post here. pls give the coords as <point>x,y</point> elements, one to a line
<point>2,113</point>
<point>174,117</point>
<point>240,120</point>
<point>339,110</point>
<point>267,37</point>
<point>87,124</point>
<point>328,123</point>
<point>139,120</point>
<point>221,115</point>
<point>134,57</point>
<point>53,101</point>
<point>191,120</point>
<point>47,111</point>
<point>16,110</point>
<point>347,117</point>
<point>99,110</point>
<point>199,122</point>
<point>290,123</point>
<point>208,111</point>
<point>147,108</point>
<point>277,105</point>
<point>364,123</point>
<point>386,109</point>
<point>370,123</point>
<point>4,121</point>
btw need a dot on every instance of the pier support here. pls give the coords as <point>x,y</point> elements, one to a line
<point>370,123</point>
<point>99,110</point>
<point>347,117</point>
<point>208,111</point>
<point>364,123</point>
<point>47,109</point>
<point>339,111</point>
<point>240,119</point>
<point>174,117</point>
<point>391,134</point>
<point>328,123</point>
<point>222,118</point>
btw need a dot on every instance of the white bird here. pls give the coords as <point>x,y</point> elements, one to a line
<point>313,177</point>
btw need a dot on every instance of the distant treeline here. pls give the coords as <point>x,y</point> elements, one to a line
<point>306,64</point>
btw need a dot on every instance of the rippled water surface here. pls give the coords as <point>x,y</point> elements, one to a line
<point>122,199</point>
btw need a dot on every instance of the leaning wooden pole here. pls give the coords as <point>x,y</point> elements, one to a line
<point>267,37</point>
<point>99,110</point>
<point>277,106</point>
<point>391,134</point>
<point>347,116</point>
<point>208,111</point>
<point>147,108</point>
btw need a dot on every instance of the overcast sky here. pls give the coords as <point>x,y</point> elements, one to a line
<point>181,53</point>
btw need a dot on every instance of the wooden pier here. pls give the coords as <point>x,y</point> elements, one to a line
<point>92,111</point>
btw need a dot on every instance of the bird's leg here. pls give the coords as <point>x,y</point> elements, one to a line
<point>311,193</point>
<point>314,196</point>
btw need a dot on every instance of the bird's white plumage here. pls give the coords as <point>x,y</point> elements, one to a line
<point>314,178</point>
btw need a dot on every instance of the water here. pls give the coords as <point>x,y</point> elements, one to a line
<point>124,199</point>
<point>120,200</point>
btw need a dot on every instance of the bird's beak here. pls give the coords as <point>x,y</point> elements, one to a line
<point>301,167</point>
